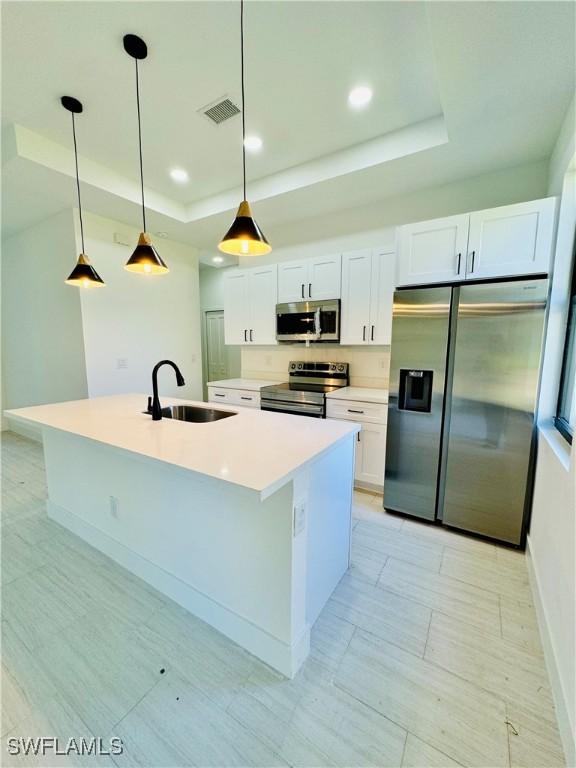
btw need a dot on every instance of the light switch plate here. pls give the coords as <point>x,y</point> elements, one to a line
<point>299,517</point>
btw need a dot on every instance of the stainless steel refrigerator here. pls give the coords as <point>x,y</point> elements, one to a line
<point>464,375</point>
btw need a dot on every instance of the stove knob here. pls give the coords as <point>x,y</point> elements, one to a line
<point>332,367</point>
<point>292,366</point>
<point>341,368</point>
<point>300,366</point>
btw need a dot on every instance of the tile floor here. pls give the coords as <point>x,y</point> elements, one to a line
<point>427,654</point>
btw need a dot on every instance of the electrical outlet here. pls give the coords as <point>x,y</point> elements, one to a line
<point>383,362</point>
<point>114,506</point>
<point>121,363</point>
<point>299,517</point>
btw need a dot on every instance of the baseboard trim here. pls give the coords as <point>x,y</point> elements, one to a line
<point>567,735</point>
<point>277,654</point>
<point>24,430</point>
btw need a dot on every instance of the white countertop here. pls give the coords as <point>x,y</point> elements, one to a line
<point>254,449</point>
<point>362,394</point>
<point>254,385</point>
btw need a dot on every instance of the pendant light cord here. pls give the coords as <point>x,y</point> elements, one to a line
<point>243,99</point>
<point>78,182</point>
<point>140,147</point>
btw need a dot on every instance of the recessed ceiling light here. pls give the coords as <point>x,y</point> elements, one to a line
<point>179,175</point>
<point>360,96</point>
<point>162,234</point>
<point>253,143</point>
<point>217,259</point>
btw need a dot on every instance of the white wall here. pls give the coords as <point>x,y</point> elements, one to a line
<point>42,344</point>
<point>138,320</point>
<point>552,536</point>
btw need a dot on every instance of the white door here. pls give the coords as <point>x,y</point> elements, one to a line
<point>383,283</point>
<point>371,454</point>
<point>511,240</point>
<point>324,278</point>
<point>292,281</point>
<point>236,307</point>
<point>263,291</point>
<point>216,358</point>
<point>433,251</point>
<point>355,309</point>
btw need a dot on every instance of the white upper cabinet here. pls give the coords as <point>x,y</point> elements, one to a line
<point>314,279</point>
<point>250,297</point>
<point>433,251</point>
<point>512,240</point>
<point>368,281</point>
<point>236,307</point>
<point>292,281</point>
<point>324,275</point>
<point>499,242</point>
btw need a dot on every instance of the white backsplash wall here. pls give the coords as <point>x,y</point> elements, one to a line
<point>369,366</point>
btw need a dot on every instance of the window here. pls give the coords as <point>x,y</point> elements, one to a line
<point>566,414</point>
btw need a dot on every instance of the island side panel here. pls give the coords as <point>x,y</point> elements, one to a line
<point>329,522</point>
<point>213,547</point>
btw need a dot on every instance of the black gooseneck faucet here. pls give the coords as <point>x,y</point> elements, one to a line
<point>154,406</point>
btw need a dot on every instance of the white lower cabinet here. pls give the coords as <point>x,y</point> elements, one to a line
<point>371,440</point>
<point>370,454</point>
<point>243,397</point>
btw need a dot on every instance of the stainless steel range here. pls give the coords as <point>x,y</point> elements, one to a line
<point>305,392</point>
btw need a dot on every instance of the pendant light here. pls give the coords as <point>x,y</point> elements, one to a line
<point>145,260</point>
<point>83,274</point>
<point>244,236</point>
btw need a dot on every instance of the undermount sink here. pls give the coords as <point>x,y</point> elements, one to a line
<point>194,413</point>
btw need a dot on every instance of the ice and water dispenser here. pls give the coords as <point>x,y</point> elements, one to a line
<point>415,391</point>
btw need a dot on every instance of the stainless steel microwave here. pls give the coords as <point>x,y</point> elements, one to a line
<point>314,321</point>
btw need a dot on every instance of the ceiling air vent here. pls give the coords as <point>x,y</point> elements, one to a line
<point>220,110</point>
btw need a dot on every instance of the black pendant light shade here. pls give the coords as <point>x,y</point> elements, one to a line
<point>83,274</point>
<point>145,260</point>
<point>244,238</point>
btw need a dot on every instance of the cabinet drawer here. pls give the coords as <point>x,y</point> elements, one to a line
<point>244,397</point>
<point>353,410</point>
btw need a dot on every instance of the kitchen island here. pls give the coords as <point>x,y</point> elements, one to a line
<point>245,521</point>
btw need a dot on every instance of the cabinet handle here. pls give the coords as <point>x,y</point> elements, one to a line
<point>351,410</point>
<point>218,394</point>
<point>242,397</point>
<point>459,261</point>
<point>302,290</point>
<point>309,290</point>
<point>251,332</point>
<point>363,333</point>
<point>473,256</point>
<point>358,436</point>
<point>372,334</point>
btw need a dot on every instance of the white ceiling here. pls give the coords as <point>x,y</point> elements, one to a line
<point>460,88</point>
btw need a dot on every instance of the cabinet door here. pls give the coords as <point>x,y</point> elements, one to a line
<point>511,240</point>
<point>355,309</point>
<point>433,251</point>
<point>236,307</point>
<point>371,454</point>
<point>324,278</point>
<point>263,292</point>
<point>292,281</point>
<point>383,282</point>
